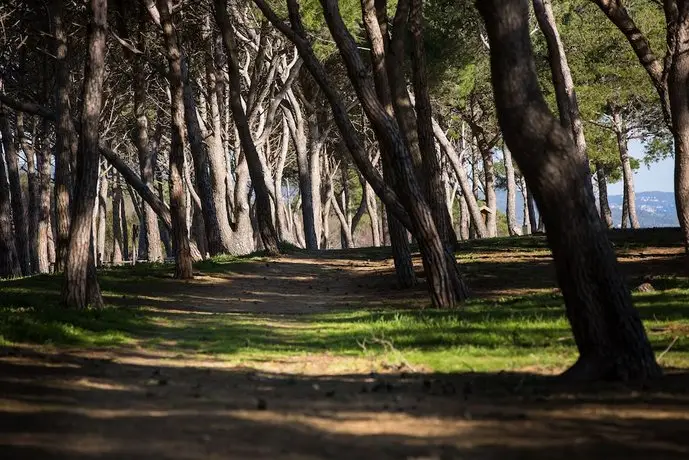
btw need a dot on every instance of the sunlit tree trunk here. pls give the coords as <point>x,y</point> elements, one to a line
<point>81,288</point>
<point>180,237</point>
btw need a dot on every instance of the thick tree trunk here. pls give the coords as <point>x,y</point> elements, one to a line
<point>512,225</point>
<point>603,203</point>
<point>65,138</point>
<point>627,172</point>
<point>607,329</point>
<point>242,242</point>
<point>21,242</point>
<point>80,288</point>
<point>263,214</point>
<point>180,237</point>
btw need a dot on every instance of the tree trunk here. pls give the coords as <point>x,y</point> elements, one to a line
<point>180,237</point>
<point>435,191</point>
<point>463,218</point>
<point>604,204</point>
<point>33,189</point>
<point>263,214</point>
<point>80,288</point>
<point>567,104</point>
<point>216,150</point>
<point>627,172</point>
<point>45,233</point>
<point>528,204</point>
<point>9,262</point>
<point>65,138</point>
<point>147,162</point>
<point>458,166</point>
<point>21,243</point>
<point>296,126</point>
<point>512,225</point>
<point>625,210</point>
<point>607,329</point>
<point>117,206</point>
<point>489,191</point>
<point>531,207</point>
<point>102,207</point>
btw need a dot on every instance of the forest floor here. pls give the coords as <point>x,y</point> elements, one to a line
<point>317,355</point>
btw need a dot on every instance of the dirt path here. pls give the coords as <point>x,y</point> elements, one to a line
<point>130,403</point>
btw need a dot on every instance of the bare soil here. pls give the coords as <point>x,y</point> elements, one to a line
<point>129,403</point>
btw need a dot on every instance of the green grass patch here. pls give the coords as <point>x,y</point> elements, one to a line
<point>508,334</point>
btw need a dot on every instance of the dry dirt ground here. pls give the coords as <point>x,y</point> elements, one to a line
<point>128,403</point>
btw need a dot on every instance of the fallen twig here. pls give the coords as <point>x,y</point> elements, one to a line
<point>660,356</point>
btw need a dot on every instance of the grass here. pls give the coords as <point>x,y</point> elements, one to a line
<point>513,332</point>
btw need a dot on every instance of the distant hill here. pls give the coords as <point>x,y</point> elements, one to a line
<point>654,209</point>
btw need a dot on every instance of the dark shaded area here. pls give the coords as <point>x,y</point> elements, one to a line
<point>59,406</point>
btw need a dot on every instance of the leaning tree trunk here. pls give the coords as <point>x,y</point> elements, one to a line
<point>567,104</point>
<point>603,202</point>
<point>65,146</point>
<point>263,214</point>
<point>80,288</point>
<point>375,21</point>
<point>180,236</point>
<point>607,329</point>
<point>18,209</point>
<point>512,225</point>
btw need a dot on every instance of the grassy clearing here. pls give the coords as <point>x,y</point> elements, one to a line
<point>487,335</point>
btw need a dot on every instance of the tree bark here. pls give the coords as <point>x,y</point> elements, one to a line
<point>45,233</point>
<point>180,237</point>
<point>21,243</point>
<point>603,202</point>
<point>102,215</point>
<point>33,204</point>
<point>512,225</point>
<point>9,262</point>
<point>464,220</point>
<point>117,206</point>
<point>457,165</point>
<point>435,191</point>
<point>567,104</point>
<point>296,127</point>
<point>627,172</point>
<point>607,329</point>
<point>81,288</point>
<point>65,137</point>
<point>263,214</point>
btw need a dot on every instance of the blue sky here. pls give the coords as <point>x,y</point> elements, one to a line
<point>658,178</point>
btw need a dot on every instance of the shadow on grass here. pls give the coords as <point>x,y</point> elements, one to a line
<point>83,408</point>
